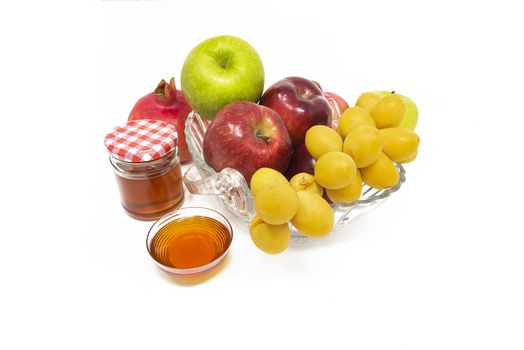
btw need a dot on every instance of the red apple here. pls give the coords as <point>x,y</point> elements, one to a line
<point>338,104</point>
<point>246,136</point>
<point>301,162</point>
<point>168,104</point>
<point>300,103</point>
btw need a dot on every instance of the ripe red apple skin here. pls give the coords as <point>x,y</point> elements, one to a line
<point>301,104</point>
<point>338,104</point>
<point>168,104</point>
<point>246,136</point>
<point>301,162</point>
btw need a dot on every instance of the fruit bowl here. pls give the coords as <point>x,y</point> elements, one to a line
<point>233,192</point>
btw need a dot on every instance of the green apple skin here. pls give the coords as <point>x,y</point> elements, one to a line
<point>221,70</point>
<point>410,116</point>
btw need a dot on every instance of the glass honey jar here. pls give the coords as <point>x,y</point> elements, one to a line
<point>145,160</point>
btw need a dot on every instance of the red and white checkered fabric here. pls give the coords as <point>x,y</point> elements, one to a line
<point>141,140</point>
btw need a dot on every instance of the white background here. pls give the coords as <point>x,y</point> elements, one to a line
<point>437,266</point>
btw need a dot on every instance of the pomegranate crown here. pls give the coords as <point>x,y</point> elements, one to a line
<point>165,92</point>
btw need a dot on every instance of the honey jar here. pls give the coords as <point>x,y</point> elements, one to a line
<point>145,160</point>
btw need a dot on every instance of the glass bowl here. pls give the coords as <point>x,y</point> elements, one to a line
<point>233,192</point>
<point>190,243</point>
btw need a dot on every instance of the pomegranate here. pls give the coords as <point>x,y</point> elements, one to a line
<point>168,104</point>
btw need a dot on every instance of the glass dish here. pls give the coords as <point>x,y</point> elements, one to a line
<point>206,227</point>
<point>233,192</point>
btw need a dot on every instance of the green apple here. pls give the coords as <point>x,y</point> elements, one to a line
<point>221,70</point>
<point>368,100</point>
<point>411,115</point>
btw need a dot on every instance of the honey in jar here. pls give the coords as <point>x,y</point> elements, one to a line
<point>144,155</point>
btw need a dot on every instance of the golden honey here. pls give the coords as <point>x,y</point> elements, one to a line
<point>190,242</point>
<point>149,190</point>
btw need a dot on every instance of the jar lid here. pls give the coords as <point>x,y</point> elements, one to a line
<point>141,140</point>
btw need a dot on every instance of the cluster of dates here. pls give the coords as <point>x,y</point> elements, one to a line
<point>364,148</point>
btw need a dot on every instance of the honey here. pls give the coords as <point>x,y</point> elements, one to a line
<point>144,155</point>
<point>190,242</point>
<point>148,191</point>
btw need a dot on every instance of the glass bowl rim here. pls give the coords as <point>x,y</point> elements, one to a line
<point>174,215</point>
<point>199,161</point>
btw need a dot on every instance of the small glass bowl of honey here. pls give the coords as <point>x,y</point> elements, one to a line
<point>190,243</point>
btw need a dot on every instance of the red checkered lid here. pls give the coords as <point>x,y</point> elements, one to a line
<point>141,140</point>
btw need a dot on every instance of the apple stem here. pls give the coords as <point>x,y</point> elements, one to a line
<point>393,92</point>
<point>263,137</point>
